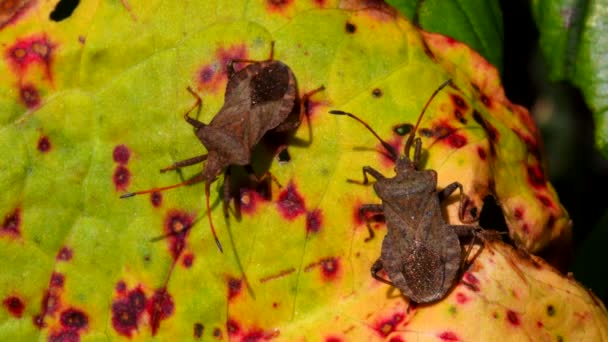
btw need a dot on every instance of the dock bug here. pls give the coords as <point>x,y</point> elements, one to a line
<point>421,252</point>
<point>260,98</point>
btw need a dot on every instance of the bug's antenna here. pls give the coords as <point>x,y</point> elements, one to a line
<point>410,138</point>
<point>387,146</point>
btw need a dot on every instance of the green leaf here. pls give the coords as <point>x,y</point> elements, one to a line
<point>574,43</point>
<point>477,23</point>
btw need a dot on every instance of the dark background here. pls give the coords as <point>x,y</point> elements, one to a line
<point>577,171</point>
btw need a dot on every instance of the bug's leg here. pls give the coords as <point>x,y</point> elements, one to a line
<point>265,176</point>
<point>376,267</point>
<point>367,170</point>
<point>363,211</point>
<point>196,179</point>
<point>304,110</point>
<point>449,190</point>
<point>226,188</point>
<point>197,105</point>
<point>467,231</point>
<point>186,162</point>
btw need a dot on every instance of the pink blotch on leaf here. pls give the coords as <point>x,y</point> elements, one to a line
<point>232,327</point>
<point>29,96</point>
<point>518,213</point>
<point>513,317</point>
<point>447,134</point>
<point>14,305</point>
<point>11,224</point>
<point>448,336</point>
<point>44,144</point>
<point>212,76</point>
<point>291,203</point>
<point>461,298</point>
<point>234,287</point>
<point>396,339</point>
<point>121,286</point>
<point>545,201</point>
<point>74,319</point>
<point>159,308</point>
<point>67,335</point>
<point>471,281</point>
<point>121,178</point>
<point>330,268</point>
<point>385,157</point>
<point>536,176</point>
<point>187,260</point>
<point>278,5</point>
<point>128,309</point>
<point>314,220</point>
<point>121,154</point>
<point>177,227</point>
<point>156,198</point>
<point>57,279</point>
<point>387,326</point>
<point>65,254</point>
<point>333,339</point>
<point>249,200</point>
<point>481,153</point>
<point>36,49</point>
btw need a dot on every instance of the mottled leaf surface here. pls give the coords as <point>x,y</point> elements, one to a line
<point>92,107</point>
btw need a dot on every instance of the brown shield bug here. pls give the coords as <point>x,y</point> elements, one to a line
<point>259,99</point>
<point>421,253</point>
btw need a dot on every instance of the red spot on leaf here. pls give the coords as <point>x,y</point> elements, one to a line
<point>513,317</point>
<point>314,219</point>
<point>396,339</point>
<point>461,298</point>
<point>12,223</point>
<point>177,228</point>
<point>121,287</point>
<point>539,324</point>
<point>29,51</point>
<point>333,339</point>
<point>124,318</point>
<point>459,102</point>
<point>536,176</point>
<point>234,287</point>
<point>14,305</point>
<point>387,326</point>
<point>249,200</point>
<point>198,330</point>
<point>121,178</point>
<point>471,281</point>
<point>385,157</point>
<point>545,201</point>
<point>330,268</point>
<point>447,134</point>
<point>65,254</point>
<point>187,260</point>
<point>217,333</point>
<point>486,101</point>
<point>65,336</point>
<point>212,76</point>
<point>127,311</point>
<point>320,3</point>
<point>57,279</point>
<point>29,96</point>
<point>121,154</point>
<point>74,319</point>
<point>232,327</point>
<point>278,5</point>
<point>159,307</point>
<point>518,213</point>
<point>156,198</point>
<point>448,336</point>
<point>291,203</point>
<point>44,144</point>
<point>481,152</point>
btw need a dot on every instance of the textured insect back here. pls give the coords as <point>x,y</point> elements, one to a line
<point>421,253</point>
<point>260,98</point>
